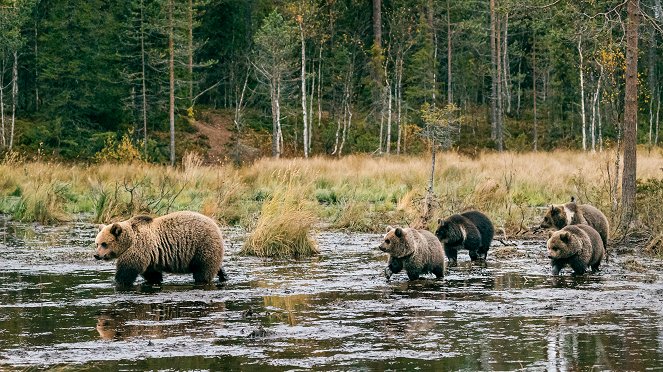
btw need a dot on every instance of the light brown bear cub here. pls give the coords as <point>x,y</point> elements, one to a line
<point>180,242</point>
<point>416,251</point>
<point>574,213</point>
<point>579,246</point>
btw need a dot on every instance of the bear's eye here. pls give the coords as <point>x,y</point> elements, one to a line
<point>103,245</point>
<point>386,241</point>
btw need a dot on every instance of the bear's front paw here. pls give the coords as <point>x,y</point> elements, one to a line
<point>388,273</point>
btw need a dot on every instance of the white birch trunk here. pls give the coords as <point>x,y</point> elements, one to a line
<point>594,107</point>
<point>303,78</point>
<point>14,95</point>
<point>399,87</point>
<point>389,116</point>
<point>582,98</point>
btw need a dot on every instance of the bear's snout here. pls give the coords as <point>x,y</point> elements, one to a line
<point>382,248</point>
<point>97,256</point>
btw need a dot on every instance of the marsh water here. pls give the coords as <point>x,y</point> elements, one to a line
<point>59,309</point>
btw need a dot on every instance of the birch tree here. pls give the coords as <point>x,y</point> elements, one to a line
<point>275,42</point>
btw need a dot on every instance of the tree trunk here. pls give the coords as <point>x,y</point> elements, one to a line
<point>449,91</point>
<point>630,113</point>
<point>171,68</point>
<point>303,78</point>
<point>377,23</point>
<point>493,73</point>
<point>594,108</point>
<point>389,116</point>
<point>399,103</point>
<point>142,78</point>
<point>3,137</point>
<point>320,87</point>
<point>310,108</point>
<point>535,133</point>
<point>36,72</point>
<point>190,52</point>
<point>277,118</point>
<point>500,104</point>
<point>505,65</point>
<point>658,110</point>
<point>652,83</point>
<point>582,97</point>
<point>14,97</point>
<point>431,25</point>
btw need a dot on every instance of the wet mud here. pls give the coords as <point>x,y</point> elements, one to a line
<point>60,309</point>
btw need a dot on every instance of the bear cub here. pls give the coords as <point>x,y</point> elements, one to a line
<point>417,251</point>
<point>579,246</point>
<point>574,213</point>
<point>471,230</point>
<point>180,242</point>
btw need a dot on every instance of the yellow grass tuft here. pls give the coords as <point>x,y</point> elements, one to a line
<point>283,229</point>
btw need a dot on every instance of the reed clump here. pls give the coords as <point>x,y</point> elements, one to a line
<point>284,227</point>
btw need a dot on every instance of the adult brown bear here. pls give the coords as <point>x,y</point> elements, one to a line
<point>180,242</point>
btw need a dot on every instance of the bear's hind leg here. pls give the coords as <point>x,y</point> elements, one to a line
<point>153,277</point>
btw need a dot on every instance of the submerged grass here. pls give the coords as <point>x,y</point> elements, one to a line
<point>357,192</point>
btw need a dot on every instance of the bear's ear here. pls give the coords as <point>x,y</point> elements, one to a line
<point>565,236</point>
<point>116,229</point>
<point>101,226</point>
<point>554,210</point>
<point>389,228</point>
<point>573,199</point>
<point>399,232</point>
<point>439,221</point>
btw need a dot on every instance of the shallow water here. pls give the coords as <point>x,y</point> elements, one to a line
<point>59,309</point>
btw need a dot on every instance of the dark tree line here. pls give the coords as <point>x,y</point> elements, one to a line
<point>326,76</point>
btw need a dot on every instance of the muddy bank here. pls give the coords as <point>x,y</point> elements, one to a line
<point>58,308</point>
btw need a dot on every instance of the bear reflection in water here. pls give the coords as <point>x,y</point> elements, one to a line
<point>162,320</point>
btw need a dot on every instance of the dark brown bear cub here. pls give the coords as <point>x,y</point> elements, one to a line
<point>579,246</point>
<point>574,213</point>
<point>416,251</point>
<point>180,242</point>
<point>471,230</point>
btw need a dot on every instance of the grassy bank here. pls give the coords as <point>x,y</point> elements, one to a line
<point>358,193</point>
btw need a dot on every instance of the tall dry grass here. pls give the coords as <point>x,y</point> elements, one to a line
<point>283,229</point>
<point>357,192</point>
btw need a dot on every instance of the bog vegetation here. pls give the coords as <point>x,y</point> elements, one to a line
<point>282,200</point>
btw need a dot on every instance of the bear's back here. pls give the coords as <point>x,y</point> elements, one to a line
<point>596,219</point>
<point>483,224</point>
<point>180,237</point>
<point>596,243</point>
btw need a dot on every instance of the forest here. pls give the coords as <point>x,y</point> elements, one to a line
<point>321,77</point>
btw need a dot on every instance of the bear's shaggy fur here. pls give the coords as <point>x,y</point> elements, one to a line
<point>579,246</point>
<point>180,242</point>
<point>416,251</point>
<point>574,213</point>
<point>471,230</point>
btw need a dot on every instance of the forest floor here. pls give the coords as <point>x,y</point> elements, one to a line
<point>216,127</point>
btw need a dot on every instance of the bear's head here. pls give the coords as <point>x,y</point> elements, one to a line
<point>395,242</point>
<point>555,217</point>
<point>448,231</point>
<point>112,240</point>
<point>560,245</point>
